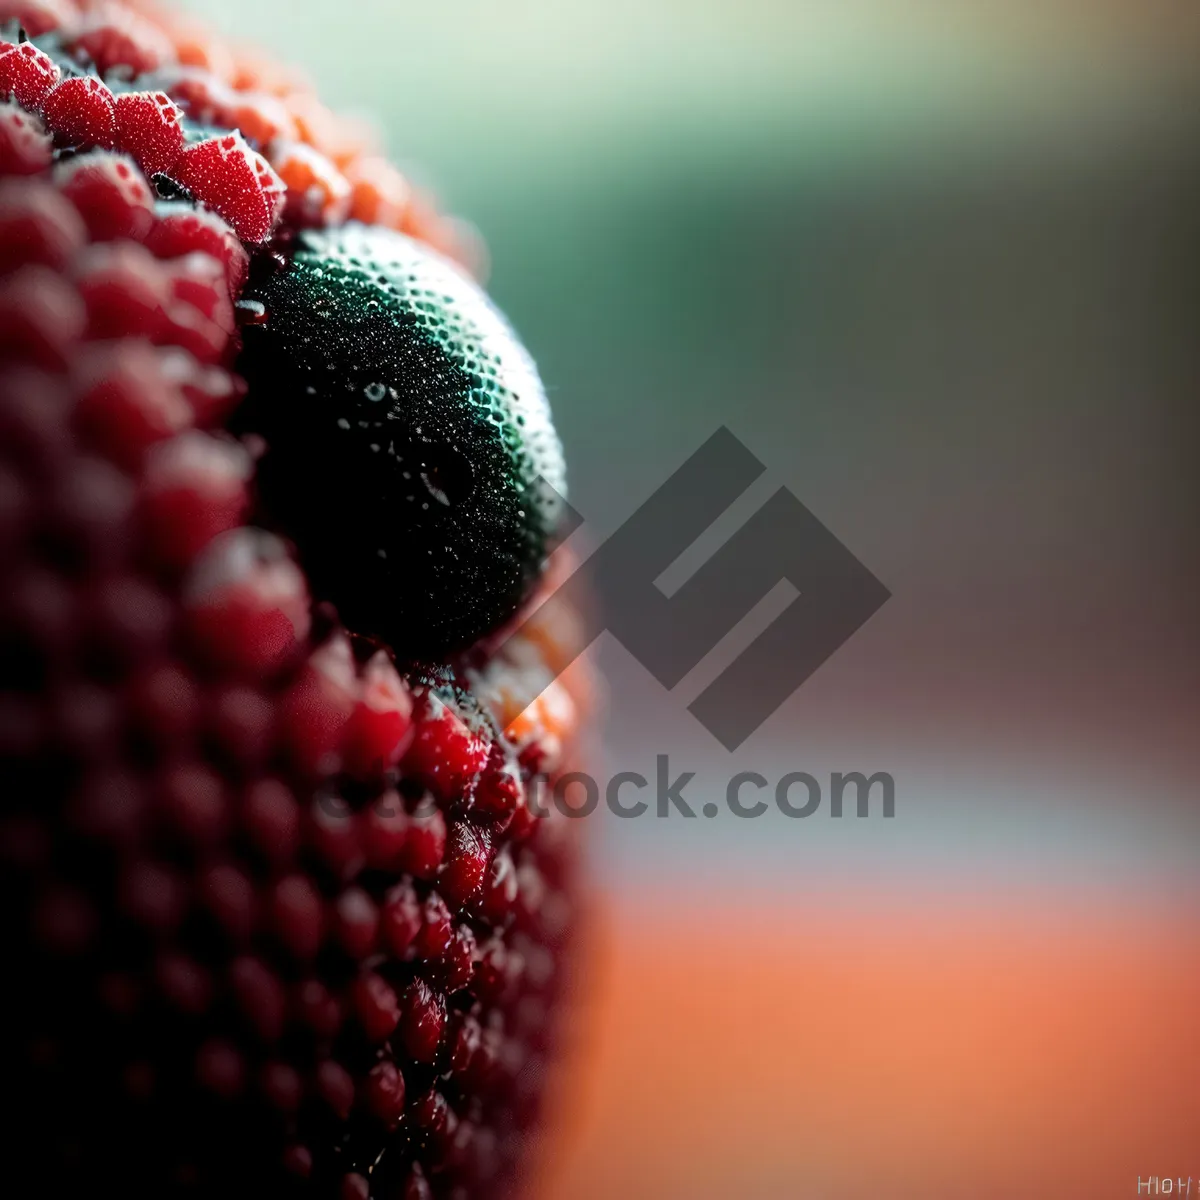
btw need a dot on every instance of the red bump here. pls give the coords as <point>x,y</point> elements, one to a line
<point>260,996</point>
<point>282,1086</point>
<point>379,727</point>
<point>317,1009</point>
<point>297,916</point>
<point>384,831</point>
<point>41,317</point>
<point>400,921</point>
<point>149,125</point>
<point>229,898</point>
<point>271,818</point>
<point>356,922</point>
<point>246,604</point>
<point>354,1187</point>
<point>193,803</point>
<point>424,1018</point>
<point>376,1006</point>
<point>385,1093</point>
<point>335,1086</point>
<point>153,896</point>
<point>164,704</point>
<point>111,194</point>
<point>314,712</point>
<point>37,16</point>
<point>298,1161</point>
<point>219,1068</point>
<point>27,73</point>
<point>124,405</point>
<point>25,144</point>
<point>114,36</point>
<point>181,229</point>
<point>195,487</point>
<point>240,725</point>
<point>38,226</point>
<point>81,111</point>
<point>444,753</point>
<point>259,116</point>
<point>236,182</point>
<point>123,291</point>
<point>198,279</point>
<point>426,841</point>
<point>434,937</point>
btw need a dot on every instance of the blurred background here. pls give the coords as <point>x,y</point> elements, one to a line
<point>937,266</point>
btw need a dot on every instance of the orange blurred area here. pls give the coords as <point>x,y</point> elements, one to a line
<point>770,1051</point>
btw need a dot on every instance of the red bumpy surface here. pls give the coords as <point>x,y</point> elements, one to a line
<point>275,917</point>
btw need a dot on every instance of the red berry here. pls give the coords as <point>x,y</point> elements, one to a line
<point>298,1161</point>
<point>426,841</point>
<point>115,37</point>
<point>111,194</point>
<point>240,724</point>
<point>41,317</point>
<point>317,1009</point>
<point>181,229</point>
<point>38,225</point>
<point>153,896</point>
<point>164,704</point>
<point>355,1187</point>
<point>378,728</point>
<point>198,279</point>
<point>184,983</point>
<point>235,182</point>
<point>149,126</point>
<point>271,818</point>
<point>260,996</point>
<point>124,404</point>
<point>500,790</point>
<point>424,1018</point>
<point>385,1092</point>
<point>246,604</point>
<point>81,111</point>
<point>444,753</point>
<point>332,833</point>
<point>229,898</point>
<point>25,145</point>
<point>297,914</point>
<point>468,855</point>
<point>37,16</point>
<point>434,936</point>
<point>458,960</point>
<point>499,892</point>
<point>336,1087</point>
<point>123,291</point>
<point>376,1006</point>
<point>194,488</point>
<point>317,707</point>
<point>282,1086</point>
<point>400,921</point>
<point>355,922</point>
<point>193,803</point>
<point>220,1069</point>
<point>27,73</point>
<point>383,831</point>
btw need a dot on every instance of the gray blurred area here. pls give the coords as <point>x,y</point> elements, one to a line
<point>938,268</point>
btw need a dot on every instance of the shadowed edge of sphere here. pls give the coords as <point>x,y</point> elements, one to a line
<point>409,438</point>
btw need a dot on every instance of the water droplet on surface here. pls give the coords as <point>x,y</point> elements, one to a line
<point>375,392</point>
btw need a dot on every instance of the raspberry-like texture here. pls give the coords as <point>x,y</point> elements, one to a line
<point>277,916</point>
